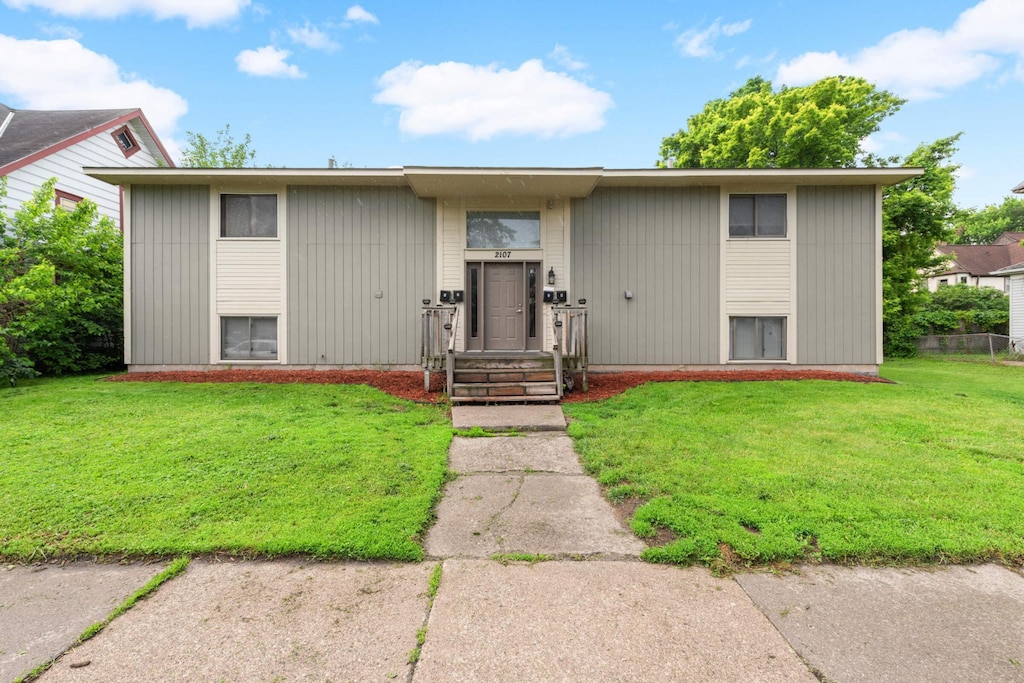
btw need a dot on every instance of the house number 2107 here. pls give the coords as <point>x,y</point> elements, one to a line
<point>503,254</point>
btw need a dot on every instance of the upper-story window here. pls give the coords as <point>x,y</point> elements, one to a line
<point>248,215</point>
<point>66,200</point>
<point>126,141</point>
<point>503,229</point>
<point>757,215</point>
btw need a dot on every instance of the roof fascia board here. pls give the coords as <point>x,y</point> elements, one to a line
<point>160,146</point>
<point>64,144</point>
<point>207,176</point>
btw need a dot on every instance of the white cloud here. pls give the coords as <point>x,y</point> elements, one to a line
<point>562,55</point>
<point>60,31</point>
<point>313,38</point>
<point>481,102</point>
<point>62,74</point>
<point>922,63</point>
<point>267,61</point>
<point>737,28</point>
<point>195,12</point>
<point>359,15</point>
<point>877,142</point>
<point>695,43</point>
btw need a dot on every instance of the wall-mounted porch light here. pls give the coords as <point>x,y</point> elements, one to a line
<point>551,275</point>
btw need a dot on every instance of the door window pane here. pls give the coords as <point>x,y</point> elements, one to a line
<point>503,229</point>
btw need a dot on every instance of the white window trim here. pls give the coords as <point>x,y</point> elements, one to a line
<point>792,229</point>
<point>282,316</point>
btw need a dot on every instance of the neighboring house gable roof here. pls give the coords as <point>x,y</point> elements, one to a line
<point>1010,238</point>
<point>32,134</point>
<point>1019,189</point>
<point>981,259</point>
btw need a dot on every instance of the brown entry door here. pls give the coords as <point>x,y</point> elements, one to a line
<point>504,296</point>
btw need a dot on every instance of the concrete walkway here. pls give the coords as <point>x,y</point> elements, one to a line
<point>595,612</point>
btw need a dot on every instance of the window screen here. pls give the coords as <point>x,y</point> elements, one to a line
<point>244,338</point>
<point>757,215</point>
<point>248,215</point>
<point>757,338</point>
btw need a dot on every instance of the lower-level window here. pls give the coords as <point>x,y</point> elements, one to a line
<point>244,338</point>
<point>757,338</point>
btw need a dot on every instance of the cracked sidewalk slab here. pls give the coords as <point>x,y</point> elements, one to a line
<point>931,624</point>
<point>44,608</point>
<point>262,621</point>
<point>598,621</point>
<point>543,452</point>
<point>552,514</point>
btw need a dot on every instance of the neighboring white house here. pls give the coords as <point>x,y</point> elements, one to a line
<point>38,145</point>
<point>1015,275</point>
<point>976,264</point>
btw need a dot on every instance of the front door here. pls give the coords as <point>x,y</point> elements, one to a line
<point>504,297</point>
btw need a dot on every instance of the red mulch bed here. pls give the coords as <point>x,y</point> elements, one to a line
<point>409,385</point>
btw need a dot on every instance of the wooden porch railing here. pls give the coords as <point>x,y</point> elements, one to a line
<point>452,328</point>
<point>437,339</point>
<point>570,343</point>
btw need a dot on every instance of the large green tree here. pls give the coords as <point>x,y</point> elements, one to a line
<point>219,152</point>
<point>983,226</point>
<point>824,125</point>
<point>61,288</point>
<point>916,216</point>
<point>821,125</point>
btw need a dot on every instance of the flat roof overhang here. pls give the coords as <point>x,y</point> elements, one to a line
<point>503,182</point>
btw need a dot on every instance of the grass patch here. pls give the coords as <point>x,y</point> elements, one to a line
<point>529,558</point>
<point>930,469</point>
<point>98,468</point>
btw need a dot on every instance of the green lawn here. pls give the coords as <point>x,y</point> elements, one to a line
<point>927,470</point>
<point>92,467</point>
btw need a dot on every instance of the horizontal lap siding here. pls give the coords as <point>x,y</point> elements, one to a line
<point>249,277</point>
<point>170,251</point>
<point>758,277</point>
<point>344,245</point>
<point>663,245</point>
<point>836,274</point>
<point>1017,306</point>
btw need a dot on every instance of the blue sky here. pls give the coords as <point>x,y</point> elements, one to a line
<point>519,83</point>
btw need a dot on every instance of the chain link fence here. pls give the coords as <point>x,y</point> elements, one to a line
<point>962,344</point>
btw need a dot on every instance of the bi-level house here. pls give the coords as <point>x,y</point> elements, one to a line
<point>494,275</point>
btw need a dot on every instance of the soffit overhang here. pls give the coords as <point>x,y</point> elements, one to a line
<point>551,183</point>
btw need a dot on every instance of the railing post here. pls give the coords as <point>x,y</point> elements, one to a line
<point>557,348</point>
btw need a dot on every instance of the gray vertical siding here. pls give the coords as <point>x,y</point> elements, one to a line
<point>836,273</point>
<point>170,302</point>
<point>663,244</point>
<point>345,244</point>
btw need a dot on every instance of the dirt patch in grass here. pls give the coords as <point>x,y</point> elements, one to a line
<point>409,384</point>
<point>603,385</point>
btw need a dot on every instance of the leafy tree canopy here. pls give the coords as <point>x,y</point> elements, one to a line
<point>220,152</point>
<point>916,215</point>
<point>61,288</point>
<point>983,226</point>
<point>821,125</point>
